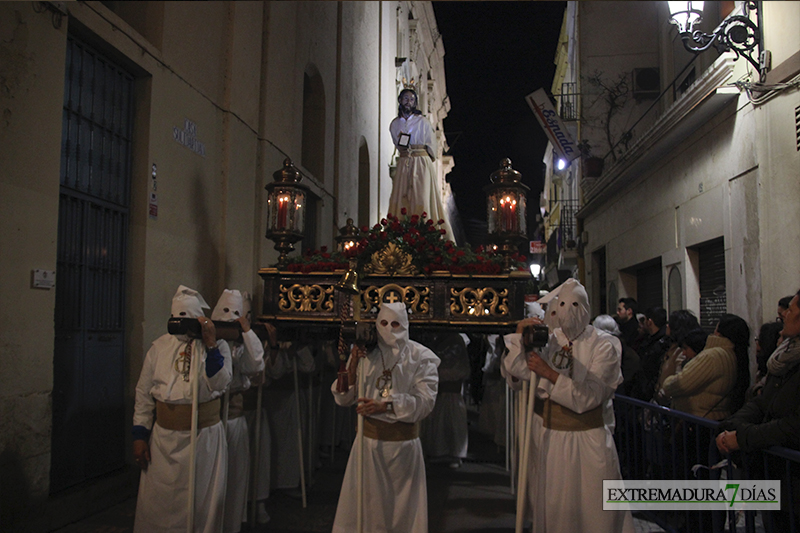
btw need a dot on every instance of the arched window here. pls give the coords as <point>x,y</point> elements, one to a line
<point>312,153</point>
<point>364,192</point>
<point>675,289</point>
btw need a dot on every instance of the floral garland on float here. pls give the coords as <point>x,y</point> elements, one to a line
<point>406,245</point>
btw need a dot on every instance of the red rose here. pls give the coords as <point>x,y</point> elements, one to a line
<point>424,214</point>
<point>414,219</point>
<point>441,221</point>
<point>325,255</point>
<point>376,227</point>
<point>402,210</point>
<point>323,249</point>
<point>443,232</point>
<point>384,236</point>
<point>383,221</point>
<point>364,229</point>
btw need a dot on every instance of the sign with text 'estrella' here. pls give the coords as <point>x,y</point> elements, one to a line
<point>552,125</point>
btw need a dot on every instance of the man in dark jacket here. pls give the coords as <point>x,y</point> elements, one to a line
<point>651,353</point>
<point>626,318</point>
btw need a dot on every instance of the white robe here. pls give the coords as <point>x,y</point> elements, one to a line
<point>163,487</point>
<point>444,433</point>
<point>280,402</point>
<point>416,183</point>
<point>248,358</point>
<point>567,468</point>
<point>396,498</point>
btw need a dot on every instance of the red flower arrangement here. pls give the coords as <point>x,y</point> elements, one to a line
<point>417,235</point>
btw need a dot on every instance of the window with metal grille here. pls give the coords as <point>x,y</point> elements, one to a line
<point>88,395</point>
<point>713,298</point>
<point>797,126</point>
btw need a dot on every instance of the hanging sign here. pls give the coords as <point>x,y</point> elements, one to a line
<point>551,123</point>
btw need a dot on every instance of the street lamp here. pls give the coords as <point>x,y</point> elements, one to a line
<point>506,210</point>
<point>737,32</point>
<point>286,209</point>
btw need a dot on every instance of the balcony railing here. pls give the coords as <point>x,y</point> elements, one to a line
<point>568,101</point>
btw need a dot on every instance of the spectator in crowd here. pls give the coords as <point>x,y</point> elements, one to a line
<point>630,359</point>
<point>679,324</point>
<point>773,417</point>
<point>713,384</point>
<point>651,353</point>
<point>783,306</point>
<point>693,343</point>
<point>769,336</point>
<point>162,423</point>
<point>628,324</point>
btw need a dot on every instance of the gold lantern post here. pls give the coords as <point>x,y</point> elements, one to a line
<point>286,209</point>
<point>506,205</point>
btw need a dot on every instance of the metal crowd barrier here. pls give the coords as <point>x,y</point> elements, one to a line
<point>655,442</point>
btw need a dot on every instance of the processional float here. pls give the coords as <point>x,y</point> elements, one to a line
<point>336,296</point>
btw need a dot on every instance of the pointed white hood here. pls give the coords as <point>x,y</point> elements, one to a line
<point>188,303</point>
<point>230,306</point>
<point>571,309</point>
<point>392,340</point>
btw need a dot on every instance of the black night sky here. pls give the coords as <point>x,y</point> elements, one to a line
<point>496,53</point>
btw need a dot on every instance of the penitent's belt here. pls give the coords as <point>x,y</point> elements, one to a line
<point>397,431</point>
<point>556,416</point>
<point>235,406</point>
<point>178,416</point>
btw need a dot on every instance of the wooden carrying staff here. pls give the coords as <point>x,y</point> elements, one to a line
<point>228,331</point>
<point>532,337</point>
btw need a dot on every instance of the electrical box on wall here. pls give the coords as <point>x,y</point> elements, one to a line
<point>43,279</point>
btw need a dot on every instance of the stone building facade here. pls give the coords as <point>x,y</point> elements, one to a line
<point>136,141</point>
<point>696,204</point>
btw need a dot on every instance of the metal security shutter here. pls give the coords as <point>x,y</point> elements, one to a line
<point>713,299</point>
<point>88,396</point>
<point>649,286</point>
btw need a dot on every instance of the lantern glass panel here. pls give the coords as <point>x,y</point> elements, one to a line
<point>299,212</point>
<point>493,211</point>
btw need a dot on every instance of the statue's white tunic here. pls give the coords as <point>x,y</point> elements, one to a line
<point>248,359</point>
<point>567,468</point>
<point>163,487</point>
<point>416,183</point>
<point>396,497</point>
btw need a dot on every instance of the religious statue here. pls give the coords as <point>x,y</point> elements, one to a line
<point>415,183</point>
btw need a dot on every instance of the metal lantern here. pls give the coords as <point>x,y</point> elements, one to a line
<point>506,210</point>
<point>286,209</point>
<point>348,236</point>
<point>736,33</point>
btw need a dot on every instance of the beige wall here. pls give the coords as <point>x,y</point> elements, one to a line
<point>235,69</point>
<point>29,201</point>
<point>735,177</point>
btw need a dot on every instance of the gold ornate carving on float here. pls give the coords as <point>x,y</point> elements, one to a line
<point>306,298</point>
<point>416,298</point>
<point>391,261</point>
<point>479,302</point>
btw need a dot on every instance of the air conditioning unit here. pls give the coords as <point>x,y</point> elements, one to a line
<point>646,83</point>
